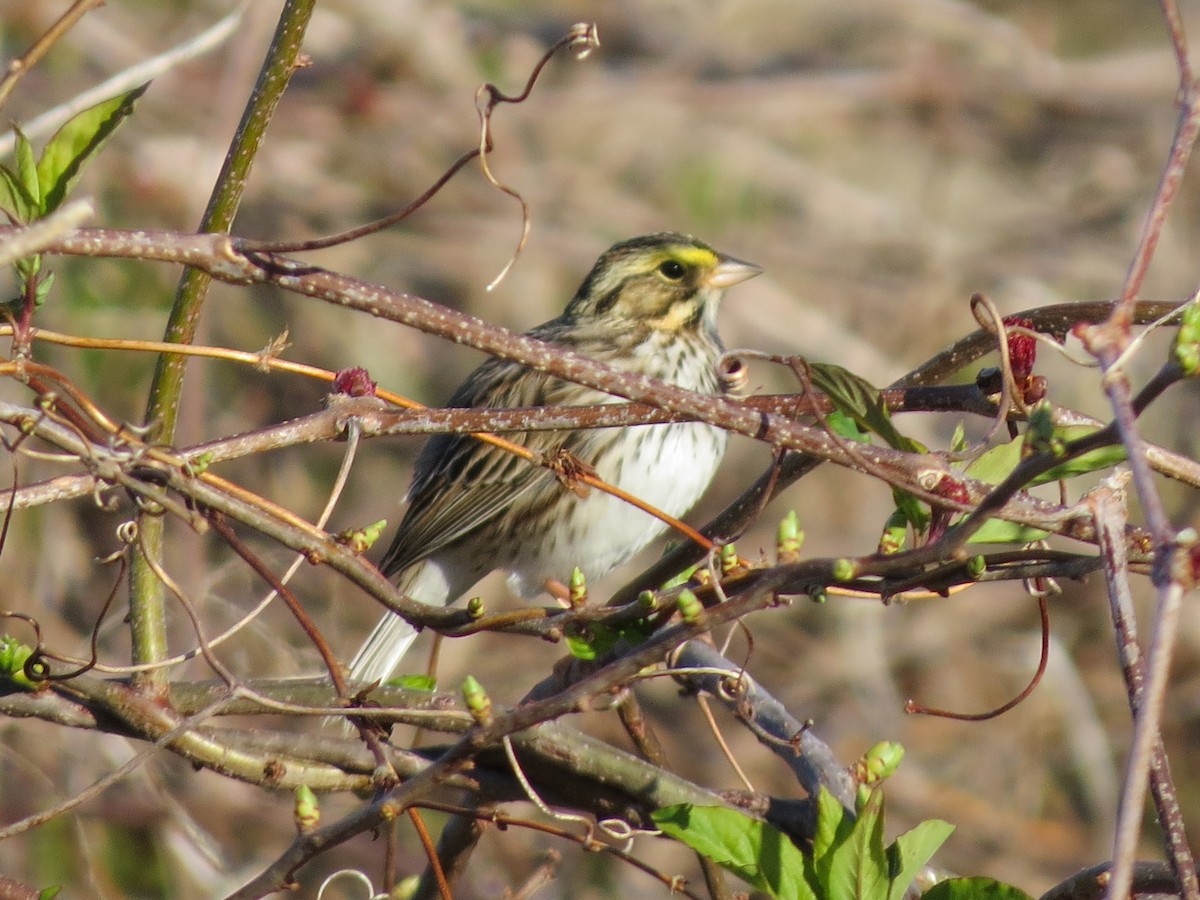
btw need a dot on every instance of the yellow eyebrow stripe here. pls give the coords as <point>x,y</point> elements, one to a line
<point>697,257</point>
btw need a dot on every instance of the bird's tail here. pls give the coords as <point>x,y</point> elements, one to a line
<point>384,648</point>
<point>378,658</point>
<point>387,644</point>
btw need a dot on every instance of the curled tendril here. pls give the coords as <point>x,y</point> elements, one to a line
<point>41,654</point>
<point>580,40</point>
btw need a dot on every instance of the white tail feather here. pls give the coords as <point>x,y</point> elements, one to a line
<point>378,658</point>
<point>389,641</point>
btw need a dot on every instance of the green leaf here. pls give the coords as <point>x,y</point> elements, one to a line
<point>911,508</point>
<point>844,426</point>
<point>50,893</point>
<point>1093,460</point>
<point>997,531</point>
<point>42,291</point>
<point>912,850</point>
<point>682,578</point>
<point>958,442</point>
<point>858,410</point>
<point>28,268</point>
<point>15,198</point>
<point>862,402</point>
<point>583,646</point>
<point>858,869</point>
<point>995,464</point>
<point>974,889</point>
<point>597,639</point>
<point>754,851</point>
<point>834,825</point>
<point>76,142</point>
<point>413,682</point>
<point>27,171</point>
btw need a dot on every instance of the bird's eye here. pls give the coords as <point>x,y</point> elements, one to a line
<point>672,269</point>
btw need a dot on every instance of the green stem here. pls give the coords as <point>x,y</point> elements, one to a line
<point>147,619</point>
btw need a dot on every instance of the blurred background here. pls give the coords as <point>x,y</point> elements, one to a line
<point>882,160</point>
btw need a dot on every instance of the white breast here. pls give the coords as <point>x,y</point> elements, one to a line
<point>671,469</point>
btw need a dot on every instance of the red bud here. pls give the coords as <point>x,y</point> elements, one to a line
<point>355,382</point>
<point>1022,348</point>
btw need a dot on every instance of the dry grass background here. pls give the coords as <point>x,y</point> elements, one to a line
<point>880,159</point>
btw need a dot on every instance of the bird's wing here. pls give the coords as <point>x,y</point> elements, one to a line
<point>462,483</point>
<point>449,507</point>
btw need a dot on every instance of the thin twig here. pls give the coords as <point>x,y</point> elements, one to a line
<point>1187,129</point>
<point>128,79</point>
<point>431,852</point>
<point>19,67</point>
<point>223,528</point>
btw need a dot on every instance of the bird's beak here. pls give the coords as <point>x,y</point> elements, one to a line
<point>730,271</point>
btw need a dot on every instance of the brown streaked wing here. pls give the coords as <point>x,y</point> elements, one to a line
<point>461,483</point>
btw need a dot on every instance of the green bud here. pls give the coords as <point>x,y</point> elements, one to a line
<point>199,463</point>
<point>647,601</point>
<point>1040,436</point>
<point>976,566</point>
<point>307,811</point>
<point>360,540</point>
<point>895,533</point>
<point>817,594</point>
<point>13,656</point>
<point>372,532</point>
<point>476,608</point>
<point>578,585</point>
<point>479,705</point>
<point>691,610</point>
<point>789,539</point>
<point>728,559</point>
<point>1187,340</point>
<point>878,763</point>
<point>844,569</point>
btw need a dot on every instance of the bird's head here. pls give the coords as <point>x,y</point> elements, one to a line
<point>667,281</point>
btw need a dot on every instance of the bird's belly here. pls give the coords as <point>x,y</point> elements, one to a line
<point>670,469</point>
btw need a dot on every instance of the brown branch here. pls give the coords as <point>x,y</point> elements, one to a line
<point>906,471</point>
<point>1108,505</point>
<point>575,698</point>
<point>20,66</point>
<point>158,482</point>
